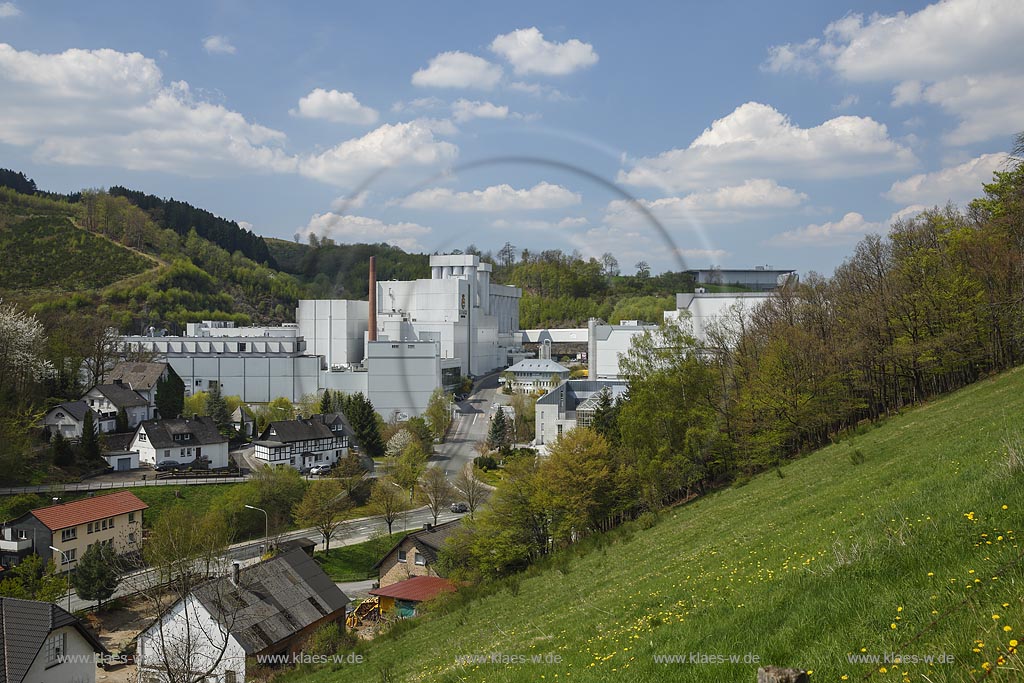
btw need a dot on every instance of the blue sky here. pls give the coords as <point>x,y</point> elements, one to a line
<point>757,133</point>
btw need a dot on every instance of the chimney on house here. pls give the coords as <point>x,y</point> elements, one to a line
<point>427,526</point>
<point>118,382</point>
<point>372,323</point>
<point>235,569</point>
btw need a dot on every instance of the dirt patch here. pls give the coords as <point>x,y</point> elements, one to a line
<point>116,628</point>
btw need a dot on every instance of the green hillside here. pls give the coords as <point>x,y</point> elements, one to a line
<point>913,551</point>
<point>51,253</point>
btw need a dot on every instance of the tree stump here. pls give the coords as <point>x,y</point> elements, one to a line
<point>777,674</point>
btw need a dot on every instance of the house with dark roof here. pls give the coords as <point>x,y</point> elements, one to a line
<point>319,440</point>
<point>415,555</point>
<point>141,378</point>
<point>534,374</point>
<point>42,643</point>
<point>572,404</point>
<point>194,441</point>
<point>108,399</point>
<point>66,419</point>
<point>404,597</point>
<point>114,518</point>
<point>262,610</point>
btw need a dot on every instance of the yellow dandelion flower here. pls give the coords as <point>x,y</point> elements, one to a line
<point>1007,628</point>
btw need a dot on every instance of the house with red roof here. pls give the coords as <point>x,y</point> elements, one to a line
<point>405,596</point>
<point>114,518</point>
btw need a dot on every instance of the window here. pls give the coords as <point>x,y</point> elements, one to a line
<point>54,648</point>
<point>104,525</point>
<point>68,556</point>
<point>131,517</point>
<point>167,453</point>
<point>230,677</point>
<point>22,534</point>
<point>142,436</point>
<point>401,556</point>
<point>111,522</point>
<point>89,528</point>
<point>69,534</point>
<point>420,560</point>
<point>131,538</point>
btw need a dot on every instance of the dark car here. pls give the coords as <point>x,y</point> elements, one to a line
<point>168,465</point>
<point>460,507</point>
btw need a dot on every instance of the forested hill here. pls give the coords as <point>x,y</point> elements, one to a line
<point>169,213</point>
<point>182,217</point>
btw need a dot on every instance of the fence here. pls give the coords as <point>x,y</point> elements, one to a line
<point>108,485</point>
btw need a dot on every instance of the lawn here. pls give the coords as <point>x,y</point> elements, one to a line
<point>913,552</point>
<point>160,498</point>
<point>355,562</point>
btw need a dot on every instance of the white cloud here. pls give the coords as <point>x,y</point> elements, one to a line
<point>749,200</point>
<point>335,106</point>
<point>630,245</point>
<point>458,70</point>
<point>103,107</point>
<point>464,110</point>
<point>540,90</point>
<point>218,45</point>
<point>710,254</point>
<point>529,53</point>
<point>847,230</point>
<point>566,223</point>
<point>956,183</point>
<point>411,143</point>
<point>9,9</point>
<point>956,54</point>
<point>345,203</point>
<point>846,102</point>
<point>495,198</point>
<point>417,105</point>
<point>757,139</point>
<point>350,229</point>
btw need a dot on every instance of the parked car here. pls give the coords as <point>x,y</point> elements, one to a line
<point>305,470</point>
<point>320,469</point>
<point>168,465</point>
<point>460,507</point>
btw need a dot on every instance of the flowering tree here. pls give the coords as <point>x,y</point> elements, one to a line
<point>22,341</point>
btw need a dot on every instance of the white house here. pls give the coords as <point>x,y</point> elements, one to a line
<point>533,374</point>
<point>322,439</point>
<point>67,419</point>
<point>143,379</point>
<point>572,405</point>
<point>181,440</point>
<point>42,643</point>
<point>268,609</point>
<point>107,399</point>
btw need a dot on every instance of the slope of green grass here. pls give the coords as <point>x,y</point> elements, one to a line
<point>50,253</point>
<point>355,562</point>
<point>913,552</point>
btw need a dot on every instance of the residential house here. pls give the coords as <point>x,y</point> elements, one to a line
<point>114,518</point>
<point>414,555</point>
<point>117,451</point>
<point>108,399</point>
<point>572,404</point>
<point>322,439</point>
<point>404,597</point>
<point>536,374</point>
<point>143,379</point>
<point>243,422</point>
<point>184,441</point>
<point>42,643</point>
<point>67,419</point>
<point>265,609</point>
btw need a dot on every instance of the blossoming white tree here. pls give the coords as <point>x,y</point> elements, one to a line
<point>22,341</point>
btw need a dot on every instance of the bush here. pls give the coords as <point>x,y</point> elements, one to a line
<point>328,640</point>
<point>485,462</point>
<point>857,457</point>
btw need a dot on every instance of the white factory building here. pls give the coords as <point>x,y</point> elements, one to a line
<point>412,337</point>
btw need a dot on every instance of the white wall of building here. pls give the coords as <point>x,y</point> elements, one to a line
<point>703,309</point>
<point>79,667</point>
<point>333,328</point>
<point>607,344</point>
<point>202,645</point>
<point>404,375</point>
<point>182,452</point>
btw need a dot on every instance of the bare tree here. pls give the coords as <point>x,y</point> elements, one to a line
<point>435,491</point>
<point>388,500</point>
<point>474,491</point>
<point>321,507</point>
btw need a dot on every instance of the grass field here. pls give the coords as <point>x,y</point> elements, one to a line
<point>160,498</point>
<point>913,552</point>
<point>355,562</point>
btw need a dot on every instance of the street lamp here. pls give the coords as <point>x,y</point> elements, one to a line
<point>67,572</point>
<point>266,527</point>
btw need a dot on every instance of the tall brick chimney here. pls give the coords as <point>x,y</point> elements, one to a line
<point>372,324</point>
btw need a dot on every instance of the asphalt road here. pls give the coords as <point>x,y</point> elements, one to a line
<point>469,427</point>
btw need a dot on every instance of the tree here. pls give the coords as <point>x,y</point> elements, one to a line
<point>61,450</point>
<point>22,341</point>
<point>474,491</point>
<point>33,579</point>
<point>217,408</point>
<point>195,404</point>
<point>498,433</point>
<point>439,412</point>
<point>643,269</point>
<point>435,492</point>
<point>388,500</point>
<point>121,421</point>
<point>363,418</point>
<point>524,411</point>
<point>325,402</point>
<point>555,380</point>
<point>102,344</point>
<point>575,483</point>
<point>407,466</point>
<point>399,442</point>
<point>90,443</point>
<point>606,417</point>
<point>350,473</point>
<point>96,577</point>
<point>170,395</point>
<point>321,507</point>
<point>609,265</point>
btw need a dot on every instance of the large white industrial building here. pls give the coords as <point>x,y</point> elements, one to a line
<point>411,338</point>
